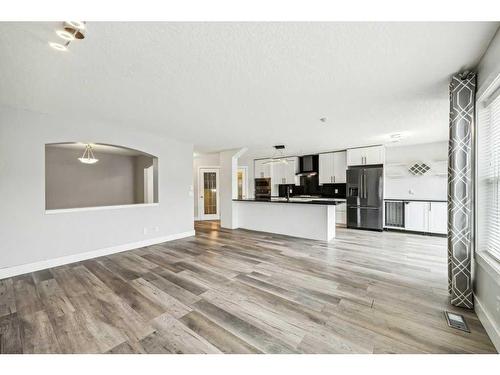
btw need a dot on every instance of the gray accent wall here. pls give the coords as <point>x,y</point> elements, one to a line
<point>114,180</point>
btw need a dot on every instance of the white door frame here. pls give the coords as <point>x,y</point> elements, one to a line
<point>244,189</point>
<point>201,205</point>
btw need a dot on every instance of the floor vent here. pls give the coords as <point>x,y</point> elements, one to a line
<point>456,321</point>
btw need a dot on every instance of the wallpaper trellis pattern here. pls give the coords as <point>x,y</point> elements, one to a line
<point>460,188</point>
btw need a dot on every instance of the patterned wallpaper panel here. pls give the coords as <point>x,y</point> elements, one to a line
<point>460,189</point>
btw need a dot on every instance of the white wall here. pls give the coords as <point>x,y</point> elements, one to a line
<point>29,235</point>
<point>202,160</point>
<point>423,187</point>
<point>247,161</point>
<point>489,66</point>
<point>487,271</point>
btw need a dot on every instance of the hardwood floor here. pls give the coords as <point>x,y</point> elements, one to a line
<point>243,292</point>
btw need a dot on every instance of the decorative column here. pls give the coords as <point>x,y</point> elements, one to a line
<point>460,189</point>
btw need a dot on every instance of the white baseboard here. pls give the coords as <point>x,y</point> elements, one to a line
<point>488,323</point>
<point>49,263</point>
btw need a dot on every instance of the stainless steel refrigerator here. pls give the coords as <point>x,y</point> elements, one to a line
<point>365,201</point>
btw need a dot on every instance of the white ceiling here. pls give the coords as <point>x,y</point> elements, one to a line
<point>228,85</point>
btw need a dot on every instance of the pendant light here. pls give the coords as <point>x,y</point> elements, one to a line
<point>88,155</point>
<point>278,156</point>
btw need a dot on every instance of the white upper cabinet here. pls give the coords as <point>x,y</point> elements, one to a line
<point>278,171</point>
<point>284,173</point>
<point>262,168</point>
<point>438,217</point>
<point>339,167</point>
<point>366,155</point>
<point>332,167</point>
<point>291,170</point>
<point>325,168</point>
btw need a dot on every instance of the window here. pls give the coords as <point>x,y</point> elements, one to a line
<point>488,176</point>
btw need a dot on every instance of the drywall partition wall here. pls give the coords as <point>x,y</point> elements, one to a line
<point>487,270</point>
<point>247,161</point>
<point>141,162</point>
<point>29,235</point>
<point>399,184</point>
<point>202,160</point>
<point>229,187</point>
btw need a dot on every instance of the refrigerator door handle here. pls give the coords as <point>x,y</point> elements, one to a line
<point>361,185</point>
<point>364,183</point>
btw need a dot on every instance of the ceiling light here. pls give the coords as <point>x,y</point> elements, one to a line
<point>396,137</point>
<point>58,46</point>
<point>88,155</point>
<point>66,35</point>
<point>278,156</point>
<point>76,24</point>
<point>70,31</point>
<point>323,119</point>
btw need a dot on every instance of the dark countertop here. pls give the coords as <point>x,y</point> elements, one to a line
<point>331,202</point>
<point>414,200</point>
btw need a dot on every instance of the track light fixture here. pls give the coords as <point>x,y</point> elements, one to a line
<point>71,30</point>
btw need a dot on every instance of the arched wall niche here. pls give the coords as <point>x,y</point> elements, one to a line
<point>90,175</point>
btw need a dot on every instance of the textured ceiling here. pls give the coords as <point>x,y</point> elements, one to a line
<point>228,85</point>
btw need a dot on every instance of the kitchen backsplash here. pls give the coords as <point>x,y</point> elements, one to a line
<point>310,186</point>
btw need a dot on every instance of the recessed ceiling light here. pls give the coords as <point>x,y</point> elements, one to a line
<point>66,35</point>
<point>58,46</point>
<point>323,119</point>
<point>76,24</point>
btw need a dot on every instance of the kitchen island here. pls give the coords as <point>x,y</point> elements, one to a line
<point>305,218</point>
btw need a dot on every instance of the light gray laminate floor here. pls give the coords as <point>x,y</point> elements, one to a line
<point>243,292</point>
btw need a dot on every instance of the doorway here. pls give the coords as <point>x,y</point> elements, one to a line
<point>208,193</point>
<point>242,179</point>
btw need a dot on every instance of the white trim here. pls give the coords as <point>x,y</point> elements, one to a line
<point>244,168</point>
<point>489,90</point>
<point>489,264</point>
<point>209,166</point>
<point>49,263</point>
<point>489,325</point>
<point>96,208</point>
